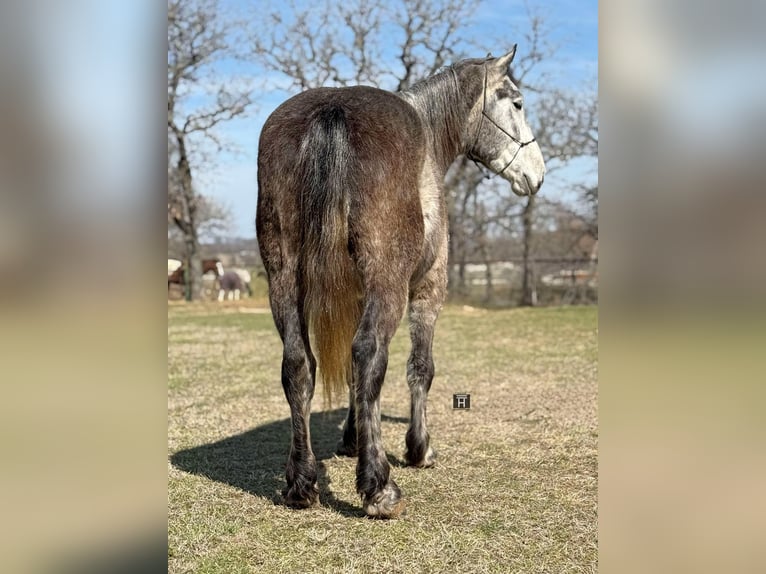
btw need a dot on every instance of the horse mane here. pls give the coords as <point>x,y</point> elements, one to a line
<point>440,90</point>
<point>440,101</point>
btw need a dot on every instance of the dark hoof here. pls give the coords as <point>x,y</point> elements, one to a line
<point>342,449</point>
<point>425,461</point>
<point>295,498</point>
<point>387,503</point>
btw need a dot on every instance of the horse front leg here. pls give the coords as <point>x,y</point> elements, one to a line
<point>425,303</point>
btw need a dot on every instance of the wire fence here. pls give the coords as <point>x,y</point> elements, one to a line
<point>553,281</point>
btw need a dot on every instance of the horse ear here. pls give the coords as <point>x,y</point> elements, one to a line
<point>504,61</point>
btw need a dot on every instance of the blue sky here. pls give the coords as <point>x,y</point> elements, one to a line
<point>231,175</point>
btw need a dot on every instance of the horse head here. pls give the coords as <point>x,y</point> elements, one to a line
<point>499,136</point>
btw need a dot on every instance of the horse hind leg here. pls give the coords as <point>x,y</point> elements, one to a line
<point>369,350</point>
<point>425,303</point>
<point>347,446</point>
<point>298,379</point>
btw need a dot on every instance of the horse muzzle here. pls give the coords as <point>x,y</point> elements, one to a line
<point>533,184</point>
<point>526,185</point>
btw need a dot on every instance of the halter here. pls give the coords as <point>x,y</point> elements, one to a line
<point>484,114</point>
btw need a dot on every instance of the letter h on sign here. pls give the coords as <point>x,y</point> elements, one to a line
<point>461,401</point>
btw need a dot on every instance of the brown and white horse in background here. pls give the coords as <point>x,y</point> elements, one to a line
<point>176,276</point>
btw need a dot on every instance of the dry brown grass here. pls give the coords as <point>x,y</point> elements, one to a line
<point>514,488</point>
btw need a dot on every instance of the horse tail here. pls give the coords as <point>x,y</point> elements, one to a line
<point>332,304</point>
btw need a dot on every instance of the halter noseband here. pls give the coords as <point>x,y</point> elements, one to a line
<point>470,155</point>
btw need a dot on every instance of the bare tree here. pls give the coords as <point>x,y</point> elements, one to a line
<point>566,127</point>
<point>198,40</point>
<point>213,221</point>
<point>384,43</point>
<point>565,124</point>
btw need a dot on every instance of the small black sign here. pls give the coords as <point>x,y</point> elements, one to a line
<point>461,401</point>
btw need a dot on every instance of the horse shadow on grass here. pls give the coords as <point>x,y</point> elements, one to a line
<point>254,461</point>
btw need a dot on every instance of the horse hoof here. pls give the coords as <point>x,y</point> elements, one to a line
<point>342,449</point>
<point>428,460</point>
<point>295,498</point>
<point>387,503</point>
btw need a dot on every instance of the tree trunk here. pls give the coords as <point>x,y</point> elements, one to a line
<point>451,255</point>
<point>490,294</point>
<point>185,217</point>
<point>485,258</point>
<point>462,287</point>
<point>457,265</point>
<point>529,287</point>
<point>193,266</point>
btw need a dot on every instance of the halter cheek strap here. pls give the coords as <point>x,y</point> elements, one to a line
<point>470,155</point>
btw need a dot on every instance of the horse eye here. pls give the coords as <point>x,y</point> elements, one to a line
<point>517,104</point>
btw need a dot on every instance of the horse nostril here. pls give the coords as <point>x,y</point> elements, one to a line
<point>532,186</point>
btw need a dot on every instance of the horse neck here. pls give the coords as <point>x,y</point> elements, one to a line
<point>441,107</point>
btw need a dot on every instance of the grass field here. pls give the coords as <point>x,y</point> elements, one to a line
<point>514,488</point>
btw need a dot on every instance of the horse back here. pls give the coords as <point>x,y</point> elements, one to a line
<point>384,150</point>
<point>385,133</point>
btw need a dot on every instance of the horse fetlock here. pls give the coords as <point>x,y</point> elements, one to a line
<point>427,460</point>
<point>301,494</point>
<point>418,453</point>
<point>386,503</point>
<point>302,490</point>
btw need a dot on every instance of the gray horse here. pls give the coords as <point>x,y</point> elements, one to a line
<point>352,227</point>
